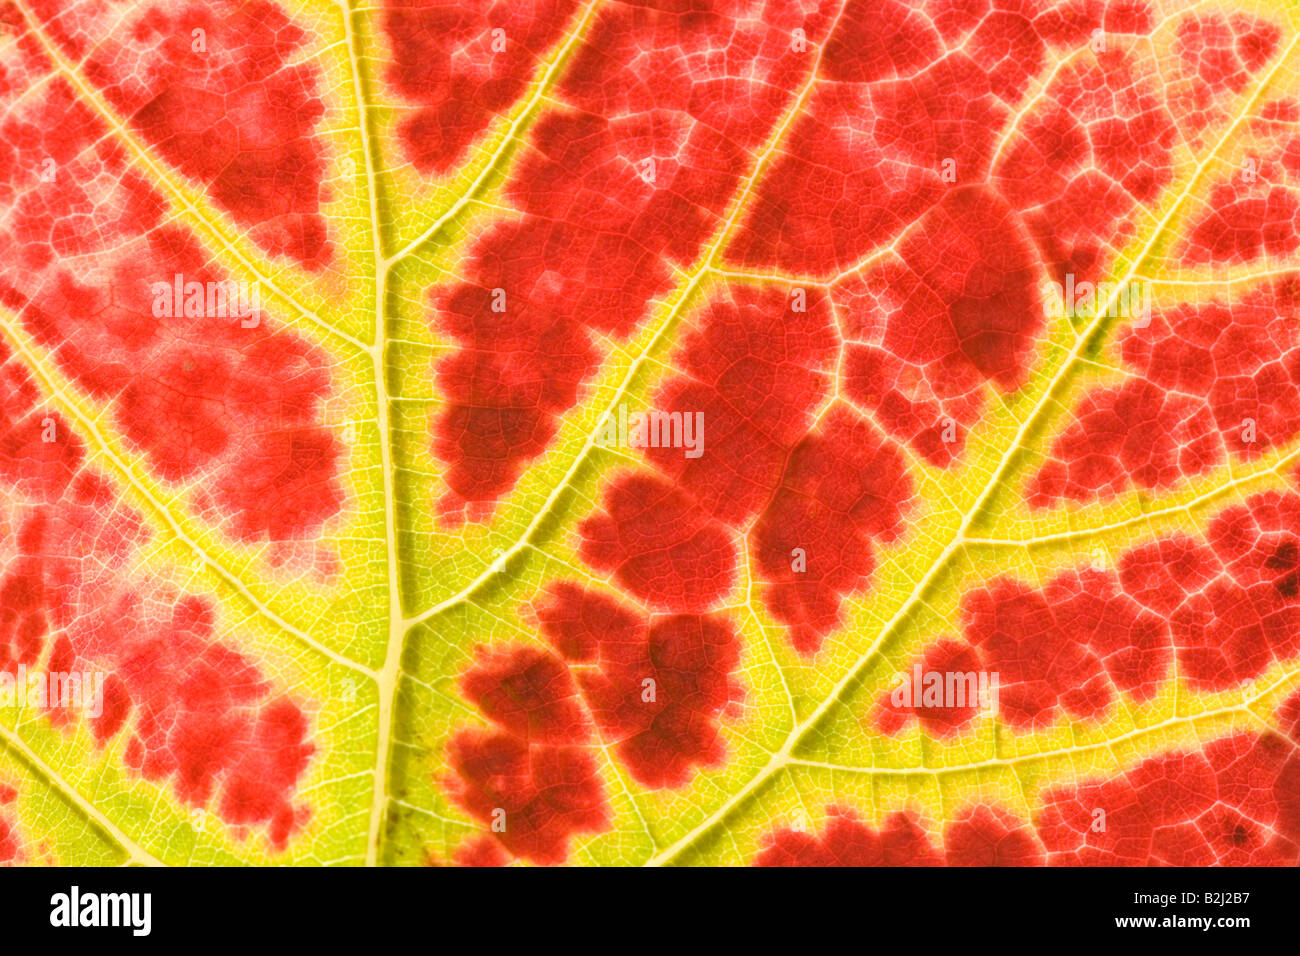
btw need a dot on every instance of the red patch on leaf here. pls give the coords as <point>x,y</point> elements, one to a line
<point>660,545</point>
<point>1243,224</point>
<point>202,717</point>
<point>987,836</point>
<point>1208,381</point>
<point>981,836</point>
<point>757,366</point>
<point>219,90</point>
<point>529,693</point>
<point>481,852</point>
<point>811,496</point>
<point>463,66</point>
<point>1161,574</point>
<point>845,486</point>
<point>667,728</point>
<point>866,157</point>
<point>968,293</point>
<point>657,688</point>
<point>536,769</point>
<point>956,307</point>
<point>1231,804</point>
<point>907,702</point>
<point>1248,615</point>
<point>1234,802</point>
<point>1138,433</point>
<point>911,105</point>
<point>612,195</point>
<point>1070,647</point>
<point>1228,608</point>
<point>10,845</point>
<point>1234,605</point>
<point>577,622</point>
<point>1217,57</point>
<point>1087,154</point>
<point>653,690</point>
<point>543,794</point>
<point>848,842</point>
<point>92,271</point>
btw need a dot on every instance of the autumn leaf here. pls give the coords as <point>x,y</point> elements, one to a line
<point>778,432</point>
